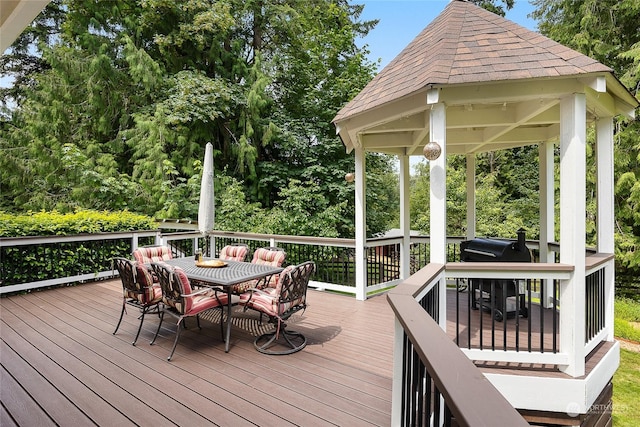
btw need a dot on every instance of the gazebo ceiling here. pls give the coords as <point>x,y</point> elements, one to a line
<point>15,16</point>
<point>501,84</point>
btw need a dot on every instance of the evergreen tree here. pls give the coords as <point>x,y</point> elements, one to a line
<point>127,94</point>
<point>609,31</point>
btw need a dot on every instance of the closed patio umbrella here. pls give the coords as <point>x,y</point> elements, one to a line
<point>206,208</point>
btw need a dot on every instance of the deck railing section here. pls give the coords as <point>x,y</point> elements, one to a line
<point>35,262</point>
<point>428,366</point>
<point>515,319</point>
<point>510,341</point>
<point>515,339</point>
<point>594,304</point>
<point>334,257</point>
<point>88,256</point>
<point>599,291</point>
<point>518,339</point>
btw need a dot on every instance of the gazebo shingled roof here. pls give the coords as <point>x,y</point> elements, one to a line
<point>468,44</point>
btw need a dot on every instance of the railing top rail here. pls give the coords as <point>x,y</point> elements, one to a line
<point>329,241</point>
<point>415,284</point>
<point>182,235</point>
<point>177,224</point>
<point>470,396</point>
<point>38,240</point>
<point>596,260</point>
<point>510,266</point>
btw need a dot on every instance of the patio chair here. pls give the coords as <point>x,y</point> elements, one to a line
<point>181,301</point>
<point>149,254</point>
<point>236,252</point>
<point>138,290</point>
<point>145,255</point>
<point>272,256</point>
<point>279,303</point>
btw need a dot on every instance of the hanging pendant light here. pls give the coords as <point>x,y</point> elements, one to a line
<point>432,150</point>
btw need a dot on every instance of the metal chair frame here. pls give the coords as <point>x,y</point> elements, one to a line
<point>293,287</point>
<point>128,275</point>
<point>173,296</point>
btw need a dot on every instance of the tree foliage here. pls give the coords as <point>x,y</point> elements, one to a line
<point>506,194</point>
<point>123,96</point>
<point>491,5</point>
<point>609,31</point>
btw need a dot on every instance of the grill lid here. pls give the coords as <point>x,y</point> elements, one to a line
<point>492,250</point>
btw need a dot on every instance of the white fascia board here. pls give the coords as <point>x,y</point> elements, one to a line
<point>558,394</point>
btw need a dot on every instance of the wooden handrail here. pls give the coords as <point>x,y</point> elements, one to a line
<point>470,396</point>
<point>596,260</point>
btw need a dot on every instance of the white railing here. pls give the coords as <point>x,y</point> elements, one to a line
<point>518,272</point>
<point>599,290</point>
<point>598,282</point>
<point>8,242</point>
<point>598,302</point>
<point>195,241</point>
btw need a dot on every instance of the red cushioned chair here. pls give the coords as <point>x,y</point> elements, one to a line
<point>181,301</point>
<point>272,256</point>
<point>149,254</point>
<point>233,252</point>
<point>138,290</point>
<point>288,297</point>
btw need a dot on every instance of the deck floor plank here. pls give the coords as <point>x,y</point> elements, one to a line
<point>17,402</point>
<point>279,365</point>
<point>57,391</point>
<point>315,387</point>
<point>98,368</point>
<point>187,402</point>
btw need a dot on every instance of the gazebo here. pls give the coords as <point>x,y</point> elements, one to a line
<point>473,82</point>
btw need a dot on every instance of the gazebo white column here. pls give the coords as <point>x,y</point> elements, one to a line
<point>438,197</point>
<point>605,217</point>
<point>471,196</point>
<point>405,220</point>
<point>547,212</point>
<point>438,187</point>
<point>572,229</point>
<point>361,225</point>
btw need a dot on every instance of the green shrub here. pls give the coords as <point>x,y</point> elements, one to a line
<point>626,312</point>
<point>32,263</point>
<point>79,222</point>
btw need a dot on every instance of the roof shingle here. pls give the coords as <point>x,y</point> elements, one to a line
<point>467,44</point>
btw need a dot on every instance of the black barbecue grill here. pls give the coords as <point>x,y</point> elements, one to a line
<point>497,295</point>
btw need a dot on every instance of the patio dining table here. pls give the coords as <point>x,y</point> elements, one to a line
<point>232,273</point>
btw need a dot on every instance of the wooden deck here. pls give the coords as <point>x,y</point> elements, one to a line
<point>61,365</point>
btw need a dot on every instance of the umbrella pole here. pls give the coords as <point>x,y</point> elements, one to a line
<point>209,247</point>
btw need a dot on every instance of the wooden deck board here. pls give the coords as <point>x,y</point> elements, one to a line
<point>20,392</point>
<point>99,367</point>
<point>61,364</point>
<point>64,338</point>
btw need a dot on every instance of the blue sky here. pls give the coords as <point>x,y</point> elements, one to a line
<point>402,20</point>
